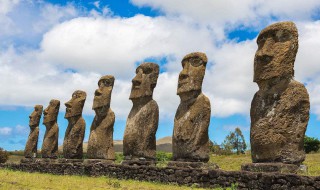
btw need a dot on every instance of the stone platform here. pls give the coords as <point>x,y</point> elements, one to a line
<point>207,178</point>
<point>275,167</point>
<point>138,162</point>
<point>198,165</point>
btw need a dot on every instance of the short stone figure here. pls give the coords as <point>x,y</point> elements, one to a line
<point>32,143</point>
<point>139,141</point>
<point>50,141</point>
<point>190,141</point>
<point>280,109</point>
<point>73,140</point>
<point>100,145</point>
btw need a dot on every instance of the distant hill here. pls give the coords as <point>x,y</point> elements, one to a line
<point>164,144</point>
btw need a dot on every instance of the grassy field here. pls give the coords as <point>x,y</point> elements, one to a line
<point>22,180</point>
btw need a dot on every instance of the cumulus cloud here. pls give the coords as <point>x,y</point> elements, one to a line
<point>18,130</point>
<point>74,52</point>
<point>245,12</point>
<point>4,131</point>
<point>111,44</point>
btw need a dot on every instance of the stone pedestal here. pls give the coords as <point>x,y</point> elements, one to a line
<point>195,165</point>
<point>275,167</point>
<point>139,162</point>
<point>97,161</point>
<point>27,160</point>
<point>72,161</point>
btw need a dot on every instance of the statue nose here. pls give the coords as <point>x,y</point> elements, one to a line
<point>68,104</point>
<point>183,74</point>
<point>97,92</point>
<point>136,82</point>
<point>266,48</point>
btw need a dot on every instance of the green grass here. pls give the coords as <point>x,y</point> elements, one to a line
<point>231,162</point>
<point>23,180</point>
<point>313,163</point>
<point>234,162</point>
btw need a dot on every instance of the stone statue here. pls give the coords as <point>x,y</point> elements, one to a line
<point>73,140</point>
<point>280,109</point>
<point>139,141</point>
<point>32,143</point>
<point>100,145</point>
<point>50,141</point>
<point>190,142</point>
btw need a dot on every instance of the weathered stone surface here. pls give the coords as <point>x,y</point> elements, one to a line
<point>270,167</point>
<point>206,178</point>
<point>198,165</point>
<point>139,139</point>
<point>73,140</point>
<point>136,162</point>
<point>50,141</point>
<point>32,142</point>
<point>190,142</point>
<point>280,109</point>
<point>100,145</point>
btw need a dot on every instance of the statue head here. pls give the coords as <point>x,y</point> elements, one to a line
<point>102,96</point>
<point>191,76</point>
<point>51,112</point>
<point>277,49</point>
<point>75,105</point>
<point>35,116</point>
<point>145,80</point>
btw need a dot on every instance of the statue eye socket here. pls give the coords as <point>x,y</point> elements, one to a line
<point>196,62</point>
<point>284,37</point>
<point>147,70</point>
<point>106,83</point>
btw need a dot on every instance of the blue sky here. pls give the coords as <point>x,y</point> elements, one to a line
<point>48,49</point>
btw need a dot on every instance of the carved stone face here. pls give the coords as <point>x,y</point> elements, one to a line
<point>75,105</point>
<point>102,96</point>
<point>145,80</point>
<point>35,116</point>
<point>191,76</point>
<point>277,49</point>
<point>51,112</point>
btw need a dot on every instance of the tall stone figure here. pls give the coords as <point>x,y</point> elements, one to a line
<point>50,141</point>
<point>73,140</point>
<point>100,145</point>
<point>139,141</point>
<point>32,143</point>
<point>280,109</point>
<point>190,142</point>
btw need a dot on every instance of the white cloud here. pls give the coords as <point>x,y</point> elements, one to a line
<point>7,5</point>
<point>5,131</point>
<point>7,25</point>
<point>112,44</point>
<point>95,45</point>
<point>228,14</point>
<point>52,15</point>
<point>18,130</point>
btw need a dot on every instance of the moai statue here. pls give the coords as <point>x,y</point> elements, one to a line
<point>190,142</point>
<point>280,109</point>
<point>32,143</point>
<point>73,140</point>
<point>50,141</point>
<point>139,141</point>
<point>100,145</point>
